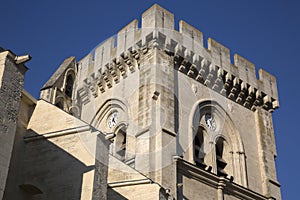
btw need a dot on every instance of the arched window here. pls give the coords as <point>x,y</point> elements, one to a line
<point>69,85</point>
<point>199,149</point>
<point>220,141</point>
<point>221,163</point>
<point>74,110</point>
<point>120,144</point>
<point>59,104</point>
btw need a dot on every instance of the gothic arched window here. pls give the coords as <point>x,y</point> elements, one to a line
<point>221,163</point>
<point>120,144</point>
<point>217,144</point>
<point>199,149</point>
<point>59,104</point>
<point>69,85</point>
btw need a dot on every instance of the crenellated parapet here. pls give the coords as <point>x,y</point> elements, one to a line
<point>119,56</point>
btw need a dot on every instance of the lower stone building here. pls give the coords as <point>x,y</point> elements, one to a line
<point>149,114</point>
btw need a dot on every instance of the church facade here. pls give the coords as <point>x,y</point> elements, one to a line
<point>149,114</point>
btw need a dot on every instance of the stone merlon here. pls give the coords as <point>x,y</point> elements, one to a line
<point>240,83</point>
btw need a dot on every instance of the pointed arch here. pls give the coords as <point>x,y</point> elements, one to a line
<point>199,145</point>
<point>221,136</point>
<point>69,80</point>
<point>120,142</point>
<point>109,106</point>
<point>119,131</point>
<point>75,111</point>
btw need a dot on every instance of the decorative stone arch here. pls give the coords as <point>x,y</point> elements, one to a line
<point>120,141</point>
<point>75,111</point>
<point>117,134</point>
<point>108,107</point>
<point>225,129</point>
<point>69,80</point>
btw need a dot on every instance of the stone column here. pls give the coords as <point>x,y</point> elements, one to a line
<point>221,187</point>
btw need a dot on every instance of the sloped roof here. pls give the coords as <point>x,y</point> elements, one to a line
<point>61,69</point>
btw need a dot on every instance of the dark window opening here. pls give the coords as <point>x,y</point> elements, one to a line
<point>59,105</point>
<point>221,163</point>
<point>69,86</point>
<point>121,144</point>
<point>199,150</point>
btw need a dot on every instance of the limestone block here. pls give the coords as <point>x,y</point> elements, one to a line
<point>83,71</point>
<point>159,17</point>
<point>220,54</point>
<point>246,70</point>
<point>46,116</point>
<point>143,191</point>
<point>118,171</point>
<point>269,85</point>
<point>103,55</point>
<point>126,37</point>
<point>190,33</point>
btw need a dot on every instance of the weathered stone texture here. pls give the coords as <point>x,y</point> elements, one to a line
<point>151,114</point>
<point>143,191</point>
<point>27,106</point>
<point>11,85</point>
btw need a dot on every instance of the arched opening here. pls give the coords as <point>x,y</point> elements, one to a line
<point>59,104</point>
<point>69,85</point>
<point>120,144</point>
<point>222,143</point>
<point>221,163</point>
<point>74,110</point>
<point>199,153</point>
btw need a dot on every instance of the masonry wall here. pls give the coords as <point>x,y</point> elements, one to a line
<point>188,94</point>
<point>62,158</point>
<point>143,191</point>
<point>230,197</point>
<point>244,121</point>
<point>204,191</point>
<point>15,174</point>
<point>11,85</point>
<point>155,77</point>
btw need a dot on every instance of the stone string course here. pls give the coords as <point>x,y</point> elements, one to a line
<point>210,66</point>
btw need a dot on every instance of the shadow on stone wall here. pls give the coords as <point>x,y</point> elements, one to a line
<point>114,195</point>
<point>46,171</point>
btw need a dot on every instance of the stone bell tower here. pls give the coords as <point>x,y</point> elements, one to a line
<point>180,114</point>
<point>151,113</point>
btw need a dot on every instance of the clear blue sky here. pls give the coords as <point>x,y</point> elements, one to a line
<point>265,32</point>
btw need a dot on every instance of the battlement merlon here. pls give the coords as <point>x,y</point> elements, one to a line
<point>157,17</point>
<point>157,31</point>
